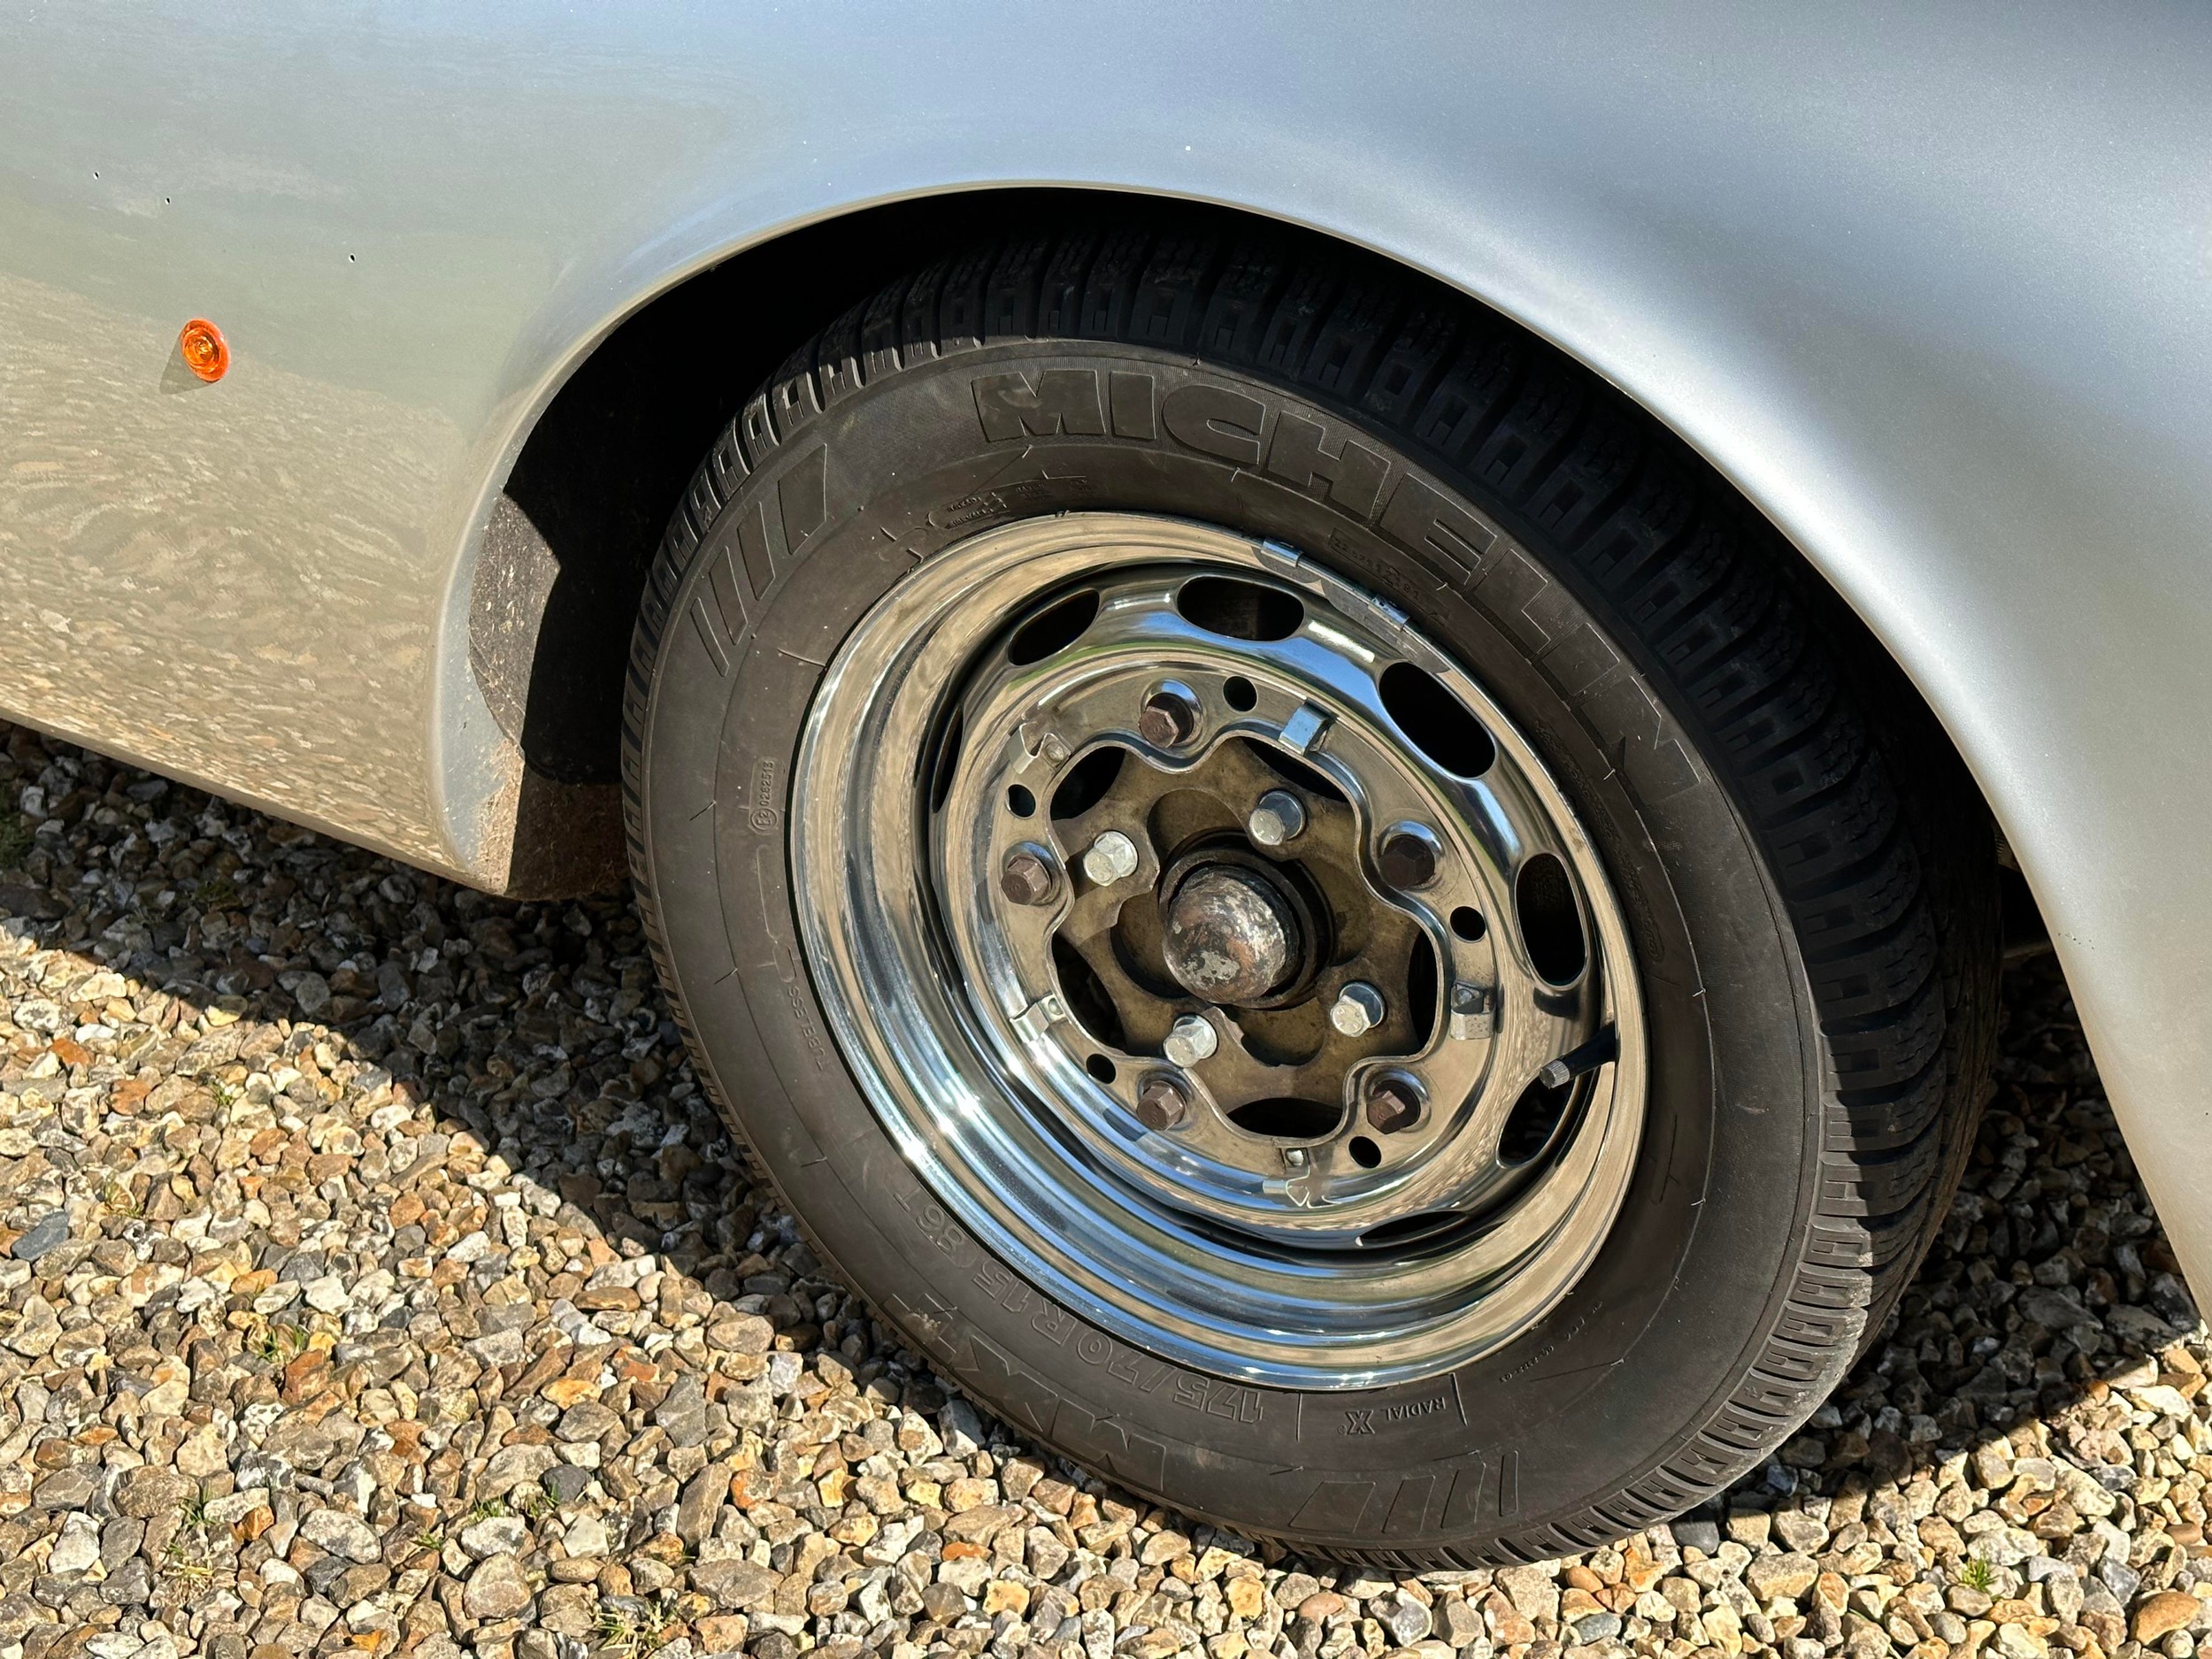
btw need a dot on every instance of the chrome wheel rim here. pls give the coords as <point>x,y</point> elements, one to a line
<point>1324,1166</point>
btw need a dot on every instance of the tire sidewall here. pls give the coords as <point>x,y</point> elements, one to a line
<point>1689,1285</point>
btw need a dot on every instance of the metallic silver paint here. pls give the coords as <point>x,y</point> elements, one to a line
<point>1929,283</point>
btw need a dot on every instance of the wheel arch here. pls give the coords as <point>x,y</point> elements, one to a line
<point>545,590</point>
<point>552,577</point>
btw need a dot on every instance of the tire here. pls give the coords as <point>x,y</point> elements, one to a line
<point>1814,945</point>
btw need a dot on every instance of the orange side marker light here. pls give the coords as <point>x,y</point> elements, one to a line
<point>206,353</point>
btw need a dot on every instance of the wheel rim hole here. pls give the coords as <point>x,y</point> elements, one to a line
<point>1019,801</point>
<point>1286,1119</point>
<point>1239,611</point>
<point>1088,782</point>
<point>1239,693</point>
<point>1100,1067</point>
<point>1436,722</point>
<point>1551,922</point>
<point>1467,924</point>
<point>1365,1152</point>
<point>1421,991</point>
<point>1534,1120</point>
<point>1087,995</point>
<point>1291,770</point>
<point>1053,629</point>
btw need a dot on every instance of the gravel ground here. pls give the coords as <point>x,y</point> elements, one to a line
<point>374,1275</point>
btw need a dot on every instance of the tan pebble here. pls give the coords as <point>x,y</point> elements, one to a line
<point>566,1391</point>
<point>855,1529</point>
<point>2159,1617</point>
<point>1640,1570</point>
<point>1164,1546</point>
<point>723,1633</point>
<point>1508,1627</point>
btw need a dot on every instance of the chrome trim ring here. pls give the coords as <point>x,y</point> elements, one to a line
<point>1461,1154</point>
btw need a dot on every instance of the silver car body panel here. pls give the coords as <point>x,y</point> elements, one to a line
<point>1931,285</point>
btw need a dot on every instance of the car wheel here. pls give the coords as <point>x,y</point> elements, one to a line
<point>1307,904</point>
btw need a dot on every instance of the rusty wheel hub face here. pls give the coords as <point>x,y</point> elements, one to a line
<point>1228,936</point>
<point>1235,930</point>
<point>1234,967</point>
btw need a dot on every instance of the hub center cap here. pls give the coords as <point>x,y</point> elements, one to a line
<point>1229,936</point>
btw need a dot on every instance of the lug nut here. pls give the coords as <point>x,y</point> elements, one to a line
<point>1028,876</point>
<point>1112,857</point>
<point>1358,1008</point>
<point>1190,1040</point>
<point>1168,721</point>
<point>1278,818</point>
<point>1162,1103</point>
<point>1393,1103</point>
<point>1408,858</point>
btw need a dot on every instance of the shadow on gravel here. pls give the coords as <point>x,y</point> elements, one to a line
<point>377,1276</point>
<point>538,1027</point>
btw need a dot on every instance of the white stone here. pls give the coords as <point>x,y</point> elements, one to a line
<point>493,1535</point>
<point>77,1547</point>
<point>587,1535</point>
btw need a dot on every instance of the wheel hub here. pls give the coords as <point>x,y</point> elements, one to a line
<point>1196,977</point>
<point>1230,935</point>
